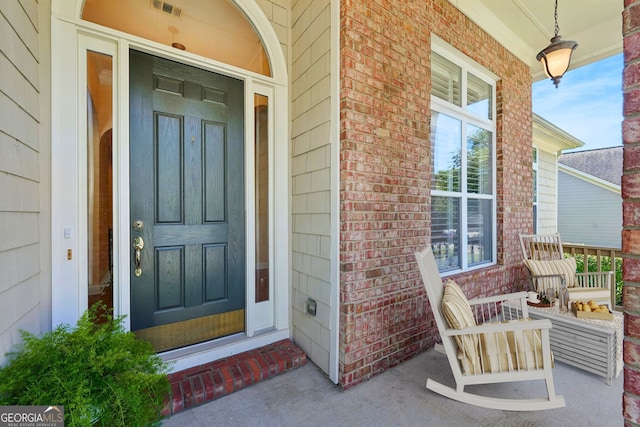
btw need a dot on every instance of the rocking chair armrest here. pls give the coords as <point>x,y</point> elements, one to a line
<point>541,324</point>
<point>498,298</point>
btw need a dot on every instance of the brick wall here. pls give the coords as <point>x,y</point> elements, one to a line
<point>631,211</point>
<point>385,174</point>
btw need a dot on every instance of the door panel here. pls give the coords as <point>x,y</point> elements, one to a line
<point>187,188</point>
<point>214,171</point>
<point>168,169</point>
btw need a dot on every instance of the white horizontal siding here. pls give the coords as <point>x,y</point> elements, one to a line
<point>588,214</point>
<point>17,39</point>
<point>276,11</point>
<point>311,179</point>
<point>24,159</point>
<point>547,192</point>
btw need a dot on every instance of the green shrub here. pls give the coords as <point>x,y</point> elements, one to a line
<point>102,374</point>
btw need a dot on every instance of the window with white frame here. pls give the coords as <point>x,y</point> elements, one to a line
<point>463,217</point>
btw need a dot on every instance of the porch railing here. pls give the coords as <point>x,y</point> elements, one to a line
<point>596,258</point>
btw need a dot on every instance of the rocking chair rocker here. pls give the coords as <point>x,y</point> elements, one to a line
<point>491,352</point>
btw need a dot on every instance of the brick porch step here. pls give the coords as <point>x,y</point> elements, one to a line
<point>204,383</point>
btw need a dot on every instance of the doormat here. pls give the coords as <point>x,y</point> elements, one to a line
<point>204,383</point>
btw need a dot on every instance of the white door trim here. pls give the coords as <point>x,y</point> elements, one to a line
<point>69,300</point>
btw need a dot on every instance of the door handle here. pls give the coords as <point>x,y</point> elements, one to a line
<point>138,244</point>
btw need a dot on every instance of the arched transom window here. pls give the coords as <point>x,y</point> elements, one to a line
<point>213,29</point>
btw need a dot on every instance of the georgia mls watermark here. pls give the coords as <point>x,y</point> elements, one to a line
<point>31,416</point>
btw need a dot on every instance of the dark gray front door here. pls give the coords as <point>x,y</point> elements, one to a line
<point>187,202</point>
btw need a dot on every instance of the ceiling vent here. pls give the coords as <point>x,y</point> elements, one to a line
<point>167,8</point>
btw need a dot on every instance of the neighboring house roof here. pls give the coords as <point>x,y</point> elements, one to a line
<point>603,163</point>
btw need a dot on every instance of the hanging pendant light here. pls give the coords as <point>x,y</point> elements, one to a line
<point>556,57</point>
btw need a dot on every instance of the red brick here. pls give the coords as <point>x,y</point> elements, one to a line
<point>256,369</point>
<point>199,393</point>
<point>245,372</point>
<point>631,135</point>
<point>209,386</point>
<point>631,212</point>
<point>631,102</point>
<point>278,361</point>
<point>631,186</point>
<point>631,295</point>
<point>630,20</point>
<point>631,407</point>
<point>631,241</point>
<point>219,388</point>
<point>632,381</point>
<point>177,401</point>
<point>187,393</point>
<point>631,75</point>
<point>631,325</point>
<point>630,270</point>
<point>631,352</point>
<point>227,379</point>
<point>264,365</point>
<point>238,379</point>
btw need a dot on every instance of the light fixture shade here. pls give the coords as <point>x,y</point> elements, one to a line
<point>556,58</point>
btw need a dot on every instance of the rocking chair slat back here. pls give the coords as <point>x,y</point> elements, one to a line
<point>541,247</point>
<point>435,289</point>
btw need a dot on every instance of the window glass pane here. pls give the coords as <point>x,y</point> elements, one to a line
<point>262,196</point>
<point>478,97</point>
<point>99,178</point>
<point>479,174</point>
<point>479,238</point>
<point>535,186</point>
<point>446,137</point>
<point>445,79</point>
<point>445,232</point>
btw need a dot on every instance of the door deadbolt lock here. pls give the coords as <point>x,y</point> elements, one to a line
<point>138,225</point>
<point>138,244</point>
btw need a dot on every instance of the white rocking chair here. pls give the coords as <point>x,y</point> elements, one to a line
<point>502,349</point>
<point>544,257</point>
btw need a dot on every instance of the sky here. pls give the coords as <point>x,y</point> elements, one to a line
<point>587,103</point>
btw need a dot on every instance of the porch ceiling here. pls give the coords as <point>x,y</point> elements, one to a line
<point>523,26</point>
<point>526,26</point>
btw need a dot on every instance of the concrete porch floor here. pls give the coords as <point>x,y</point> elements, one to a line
<point>398,397</point>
